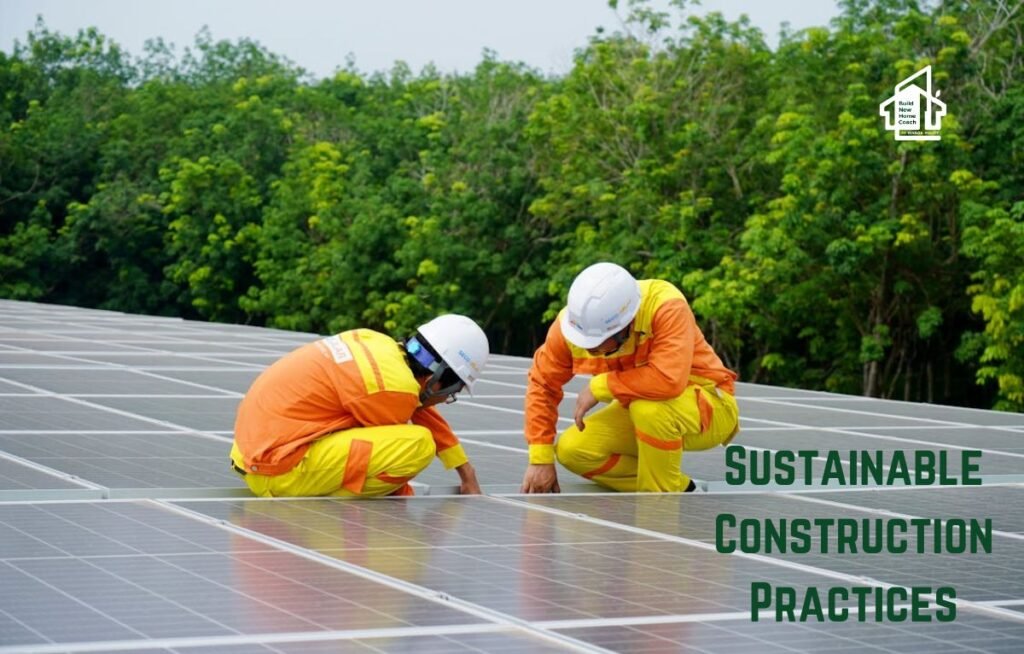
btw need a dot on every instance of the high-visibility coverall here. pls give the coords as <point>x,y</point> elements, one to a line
<point>667,392</point>
<point>333,418</point>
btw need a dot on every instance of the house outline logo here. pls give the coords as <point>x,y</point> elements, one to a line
<point>912,112</point>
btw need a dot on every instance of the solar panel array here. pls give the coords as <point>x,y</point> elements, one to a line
<point>122,527</point>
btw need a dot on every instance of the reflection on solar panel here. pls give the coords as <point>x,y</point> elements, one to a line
<point>123,529</point>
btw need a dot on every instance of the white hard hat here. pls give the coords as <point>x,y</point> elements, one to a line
<point>603,299</point>
<point>460,343</point>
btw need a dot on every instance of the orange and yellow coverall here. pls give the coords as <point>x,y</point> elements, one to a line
<point>666,389</point>
<point>333,418</point>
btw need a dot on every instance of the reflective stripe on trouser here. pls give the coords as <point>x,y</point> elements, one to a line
<point>641,448</point>
<point>367,461</point>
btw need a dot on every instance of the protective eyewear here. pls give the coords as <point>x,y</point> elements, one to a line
<point>437,370</point>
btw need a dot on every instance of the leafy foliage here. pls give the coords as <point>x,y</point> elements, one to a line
<point>817,251</point>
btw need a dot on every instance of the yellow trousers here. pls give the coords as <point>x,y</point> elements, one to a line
<point>363,462</point>
<point>640,448</point>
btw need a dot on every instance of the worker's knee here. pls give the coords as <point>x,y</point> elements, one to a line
<point>423,447</point>
<point>568,449</point>
<point>651,417</point>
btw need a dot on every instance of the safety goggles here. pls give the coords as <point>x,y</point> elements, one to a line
<point>454,395</point>
<point>450,392</point>
<point>437,369</point>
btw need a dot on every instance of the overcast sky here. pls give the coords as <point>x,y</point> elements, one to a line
<point>319,34</point>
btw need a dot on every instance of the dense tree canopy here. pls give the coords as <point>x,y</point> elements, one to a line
<point>224,183</point>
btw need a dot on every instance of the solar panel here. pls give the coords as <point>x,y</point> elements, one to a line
<point>123,529</point>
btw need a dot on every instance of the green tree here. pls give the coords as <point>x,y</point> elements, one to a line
<point>817,251</point>
<point>645,151</point>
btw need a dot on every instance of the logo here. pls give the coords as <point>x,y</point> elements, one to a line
<point>913,113</point>
<point>339,351</point>
<point>618,314</point>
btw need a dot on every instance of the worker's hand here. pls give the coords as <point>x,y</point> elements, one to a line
<point>469,485</point>
<point>540,478</point>
<point>585,401</point>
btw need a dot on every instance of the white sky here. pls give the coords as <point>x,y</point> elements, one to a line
<point>319,34</point>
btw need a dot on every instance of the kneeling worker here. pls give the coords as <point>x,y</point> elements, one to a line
<point>333,417</point>
<point>666,389</point>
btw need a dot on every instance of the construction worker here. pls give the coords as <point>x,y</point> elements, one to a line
<point>333,417</point>
<point>666,389</point>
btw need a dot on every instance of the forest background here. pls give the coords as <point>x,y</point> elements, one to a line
<point>225,183</point>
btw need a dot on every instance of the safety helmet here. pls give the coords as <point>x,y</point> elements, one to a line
<point>460,345</point>
<point>603,299</point>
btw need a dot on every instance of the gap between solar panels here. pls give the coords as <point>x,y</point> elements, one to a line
<point>457,603</point>
<point>804,494</point>
<point>989,609</point>
<point>512,370</point>
<point>93,491</point>
<point>256,640</point>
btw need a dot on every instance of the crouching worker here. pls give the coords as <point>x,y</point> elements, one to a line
<point>354,414</point>
<point>666,390</point>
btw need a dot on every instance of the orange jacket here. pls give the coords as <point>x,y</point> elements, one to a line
<point>358,378</point>
<point>665,347</point>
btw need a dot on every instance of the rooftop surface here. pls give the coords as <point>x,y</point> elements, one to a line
<point>123,528</point>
